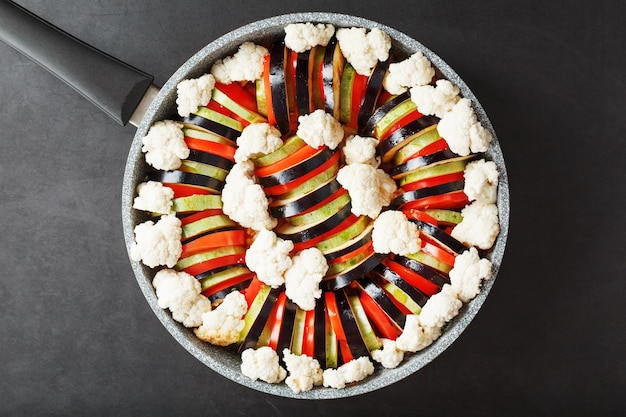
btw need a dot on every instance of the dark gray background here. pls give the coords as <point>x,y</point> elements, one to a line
<point>77,337</point>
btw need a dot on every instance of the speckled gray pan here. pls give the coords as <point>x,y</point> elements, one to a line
<point>226,362</point>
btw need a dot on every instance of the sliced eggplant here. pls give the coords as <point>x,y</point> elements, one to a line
<point>420,162</point>
<point>304,69</point>
<point>305,202</point>
<point>426,192</point>
<point>440,236</point>
<point>388,147</point>
<point>255,329</point>
<point>332,70</point>
<point>302,234</point>
<point>319,341</point>
<point>220,295</point>
<point>353,244</point>
<point>212,122</point>
<point>287,175</point>
<point>350,327</point>
<point>286,327</point>
<point>368,127</point>
<point>384,272</point>
<point>345,278</point>
<point>278,86</point>
<point>382,299</point>
<point>372,91</point>
<point>210,159</point>
<point>181,177</point>
<point>428,272</point>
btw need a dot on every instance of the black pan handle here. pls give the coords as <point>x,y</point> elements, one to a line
<point>113,86</point>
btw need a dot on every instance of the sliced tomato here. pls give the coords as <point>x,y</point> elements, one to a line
<point>344,348</point>
<point>277,321</point>
<point>308,340</point>
<point>436,146</point>
<point>212,241</point>
<point>333,315</point>
<point>378,317</point>
<point>185,190</point>
<point>297,247</point>
<point>271,117</point>
<point>359,85</point>
<point>211,147</point>
<point>253,289</point>
<point>384,97</point>
<point>438,252</point>
<point>427,287</point>
<point>411,117</point>
<point>367,247</point>
<point>201,267</point>
<point>239,94</point>
<point>199,216</point>
<point>214,289</point>
<point>293,159</point>
<point>420,215</point>
<point>450,201</point>
<point>285,188</point>
<point>433,181</point>
<point>217,107</point>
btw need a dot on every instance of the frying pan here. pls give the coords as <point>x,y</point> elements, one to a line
<point>128,95</point>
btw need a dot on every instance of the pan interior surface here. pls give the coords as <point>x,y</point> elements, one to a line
<point>226,361</point>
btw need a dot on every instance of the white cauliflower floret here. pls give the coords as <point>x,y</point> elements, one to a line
<point>394,233</point>
<point>262,364</point>
<point>370,189</point>
<point>413,71</point>
<point>319,129</point>
<point>153,196</point>
<point>440,308</point>
<point>353,371</point>
<point>158,243</point>
<point>389,356</point>
<point>302,279</point>
<point>244,201</point>
<point>300,37</point>
<point>193,93</point>
<point>304,371</point>
<point>364,49</point>
<point>245,65</point>
<point>435,100</point>
<point>360,150</point>
<point>180,292</point>
<point>416,336</point>
<point>257,139</point>
<point>268,256</point>
<point>468,273</point>
<point>164,145</point>
<point>462,130</point>
<point>479,227</point>
<point>481,181</point>
<point>222,325</point>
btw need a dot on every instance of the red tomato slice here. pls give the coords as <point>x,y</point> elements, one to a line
<point>308,341</point>
<point>420,215</point>
<point>212,241</point>
<point>186,190</point>
<point>211,147</point>
<point>344,348</point>
<point>379,318</point>
<point>199,216</point>
<point>367,247</point>
<point>333,316</point>
<point>201,267</point>
<point>433,181</point>
<point>240,95</point>
<point>215,106</point>
<point>411,117</point>
<point>436,146</point>
<point>437,252</point>
<point>449,201</point>
<point>278,314</point>
<point>413,278</point>
<point>227,284</point>
<point>253,289</point>
<point>359,85</point>
<point>295,158</point>
<point>271,117</point>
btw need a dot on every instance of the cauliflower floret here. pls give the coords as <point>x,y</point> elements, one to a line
<point>468,273</point>
<point>320,129</point>
<point>245,65</point>
<point>153,196</point>
<point>437,100</point>
<point>481,181</point>
<point>300,37</point>
<point>462,130</point>
<point>363,50</point>
<point>222,326</point>
<point>257,139</point>
<point>268,256</point>
<point>361,150</point>
<point>413,71</point>
<point>353,371</point>
<point>394,233</point>
<point>158,243</point>
<point>262,364</point>
<point>440,308</point>
<point>479,227</point>
<point>194,93</point>
<point>389,356</point>
<point>415,336</point>
<point>164,145</point>
<point>370,189</point>
<point>180,292</point>
<point>305,372</point>
<point>302,279</point>
<point>244,201</point>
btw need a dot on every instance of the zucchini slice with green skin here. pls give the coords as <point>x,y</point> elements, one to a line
<point>306,202</point>
<point>382,111</point>
<point>422,162</point>
<point>287,175</point>
<point>257,316</point>
<point>382,271</point>
<point>350,326</point>
<point>301,234</point>
<point>363,323</point>
<point>203,121</point>
<point>181,177</point>
<point>433,275</point>
<point>381,298</point>
<point>332,70</point>
<point>345,278</point>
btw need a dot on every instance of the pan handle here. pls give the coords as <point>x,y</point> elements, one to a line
<point>113,86</point>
